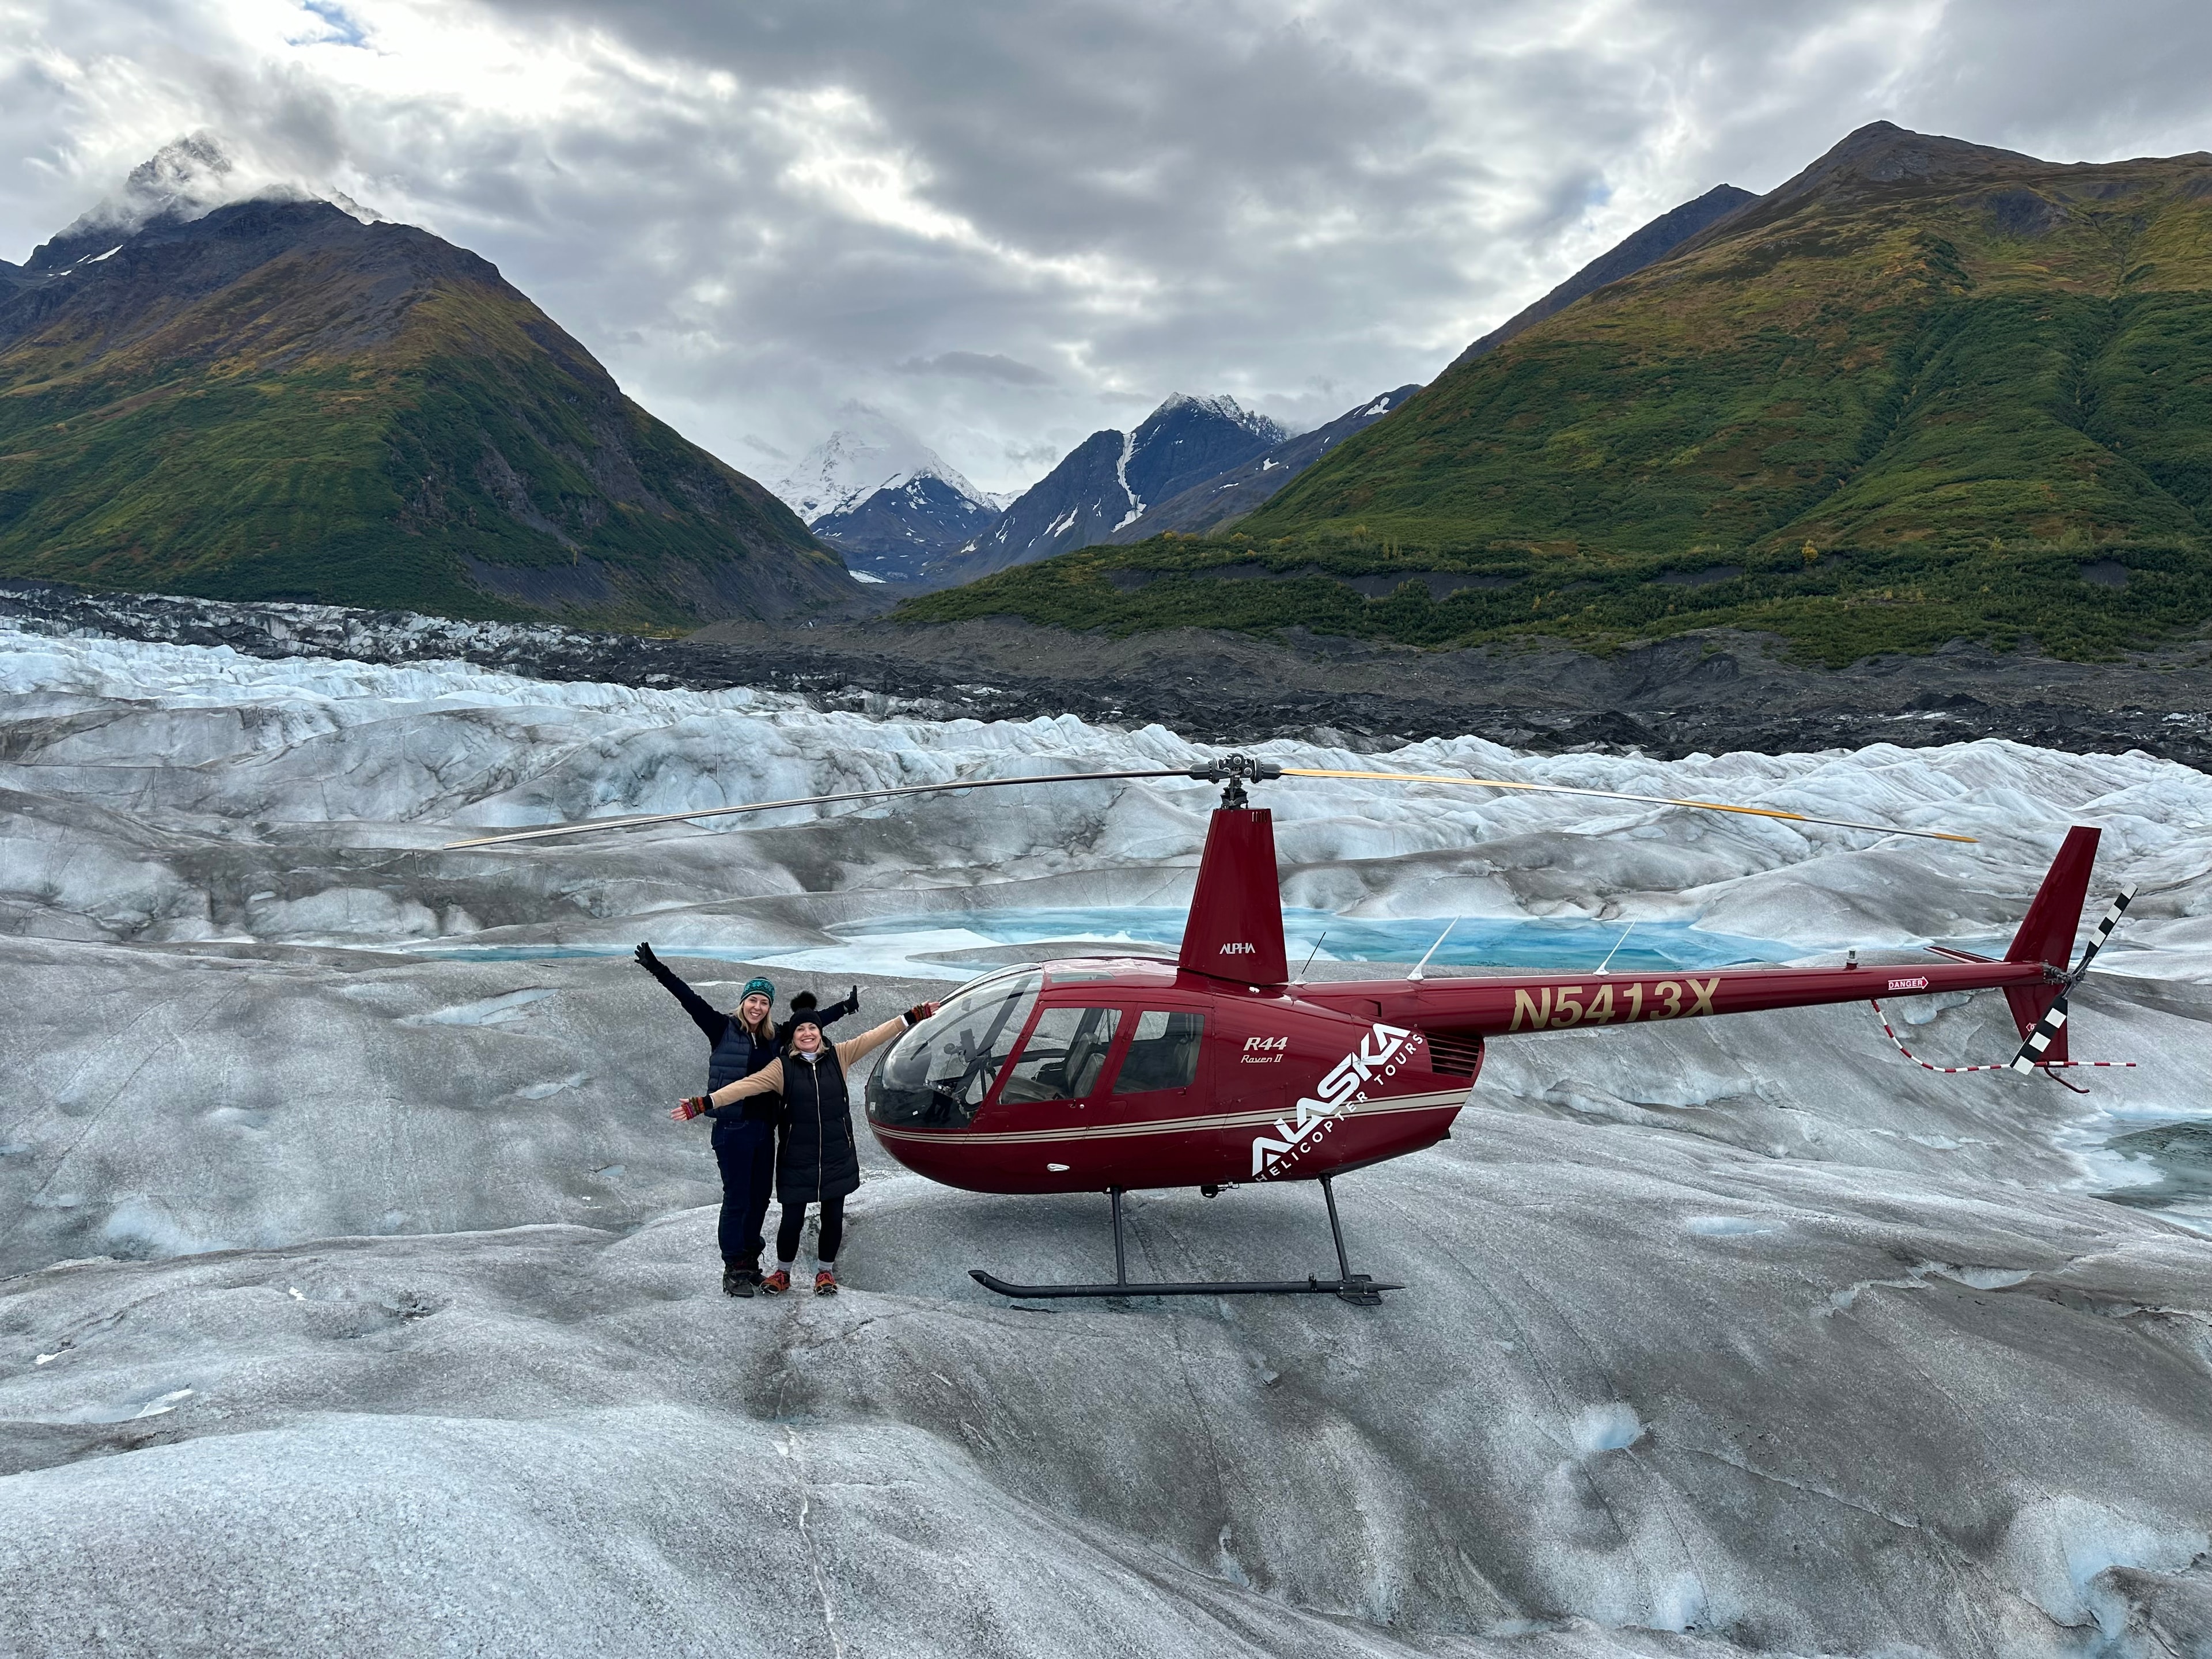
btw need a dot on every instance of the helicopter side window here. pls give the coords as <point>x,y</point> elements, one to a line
<point>935,1076</point>
<point>1163,1052</point>
<point>1064,1055</point>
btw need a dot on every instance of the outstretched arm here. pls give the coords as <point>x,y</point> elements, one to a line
<point>707,1018</point>
<point>874,1038</point>
<point>766,1081</point>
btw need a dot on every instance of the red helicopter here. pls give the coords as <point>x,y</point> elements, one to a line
<point>1218,1069</point>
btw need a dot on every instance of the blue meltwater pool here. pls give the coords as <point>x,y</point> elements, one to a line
<point>956,944</point>
<point>941,939</point>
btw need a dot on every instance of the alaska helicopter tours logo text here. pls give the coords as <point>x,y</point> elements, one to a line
<point>1379,1053</point>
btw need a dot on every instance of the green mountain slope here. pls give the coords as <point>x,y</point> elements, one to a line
<point>1924,389</point>
<point>277,401</point>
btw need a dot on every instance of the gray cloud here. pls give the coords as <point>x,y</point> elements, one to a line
<point>755,214</point>
<point>977,366</point>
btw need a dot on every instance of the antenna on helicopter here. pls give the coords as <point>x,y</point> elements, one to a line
<point>1432,951</point>
<point>1310,954</point>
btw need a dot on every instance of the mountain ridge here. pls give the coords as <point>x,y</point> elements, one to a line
<point>1218,501</point>
<point>1106,483</point>
<point>273,399</point>
<point>1923,391</point>
<point>1649,243</point>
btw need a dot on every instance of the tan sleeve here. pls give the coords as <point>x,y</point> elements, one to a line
<point>768,1080</point>
<point>868,1042</point>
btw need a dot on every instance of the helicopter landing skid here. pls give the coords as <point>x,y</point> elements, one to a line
<point>1349,1286</point>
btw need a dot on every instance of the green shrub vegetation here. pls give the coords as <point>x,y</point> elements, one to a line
<point>1836,611</point>
<point>1877,415</point>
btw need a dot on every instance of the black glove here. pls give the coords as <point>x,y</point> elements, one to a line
<point>652,964</point>
<point>853,1000</point>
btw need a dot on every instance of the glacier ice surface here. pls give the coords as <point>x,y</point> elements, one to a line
<point>364,1298</point>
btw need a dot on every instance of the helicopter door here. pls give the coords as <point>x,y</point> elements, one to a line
<point>1064,1061</point>
<point>1158,1073</point>
<point>1163,1053</point>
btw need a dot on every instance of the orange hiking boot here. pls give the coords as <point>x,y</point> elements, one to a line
<point>825,1282</point>
<point>776,1283</point>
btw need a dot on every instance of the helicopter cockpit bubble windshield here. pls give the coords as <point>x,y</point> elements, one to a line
<point>935,1076</point>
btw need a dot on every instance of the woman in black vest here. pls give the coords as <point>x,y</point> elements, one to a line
<point>819,1161</point>
<point>744,1141</point>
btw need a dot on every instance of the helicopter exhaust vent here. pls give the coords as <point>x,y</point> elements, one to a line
<point>1455,1053</point>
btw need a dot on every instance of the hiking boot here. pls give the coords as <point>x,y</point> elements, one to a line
<point>776,1284</point>
<point>739,1279</point>
<point>825,1282</point>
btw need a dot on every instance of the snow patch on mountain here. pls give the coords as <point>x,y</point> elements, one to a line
<point>1121,475</point>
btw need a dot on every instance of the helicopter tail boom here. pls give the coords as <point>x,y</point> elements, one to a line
<point>2033,976</point>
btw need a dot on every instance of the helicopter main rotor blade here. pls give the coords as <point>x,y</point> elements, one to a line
<point>1237,767</point>
<point>1617,794</point>
<point>588,825</point>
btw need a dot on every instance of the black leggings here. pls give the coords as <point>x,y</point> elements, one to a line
<point>794,1217</point>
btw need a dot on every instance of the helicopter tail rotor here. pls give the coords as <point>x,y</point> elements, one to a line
<point>2043,1044</point>
<point>2046,935</point>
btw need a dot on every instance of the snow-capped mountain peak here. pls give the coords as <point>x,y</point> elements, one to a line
<point>1223,407</point>
<point>186,181</point>
<point>883,498</point>
<point>867,453</point>
<point>1105,484</point>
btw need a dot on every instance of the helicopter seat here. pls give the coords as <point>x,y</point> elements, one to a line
<point>1063,1057</point>
<point>1163,1052</point>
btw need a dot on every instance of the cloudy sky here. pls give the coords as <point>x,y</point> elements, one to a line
<point>1007,224</point>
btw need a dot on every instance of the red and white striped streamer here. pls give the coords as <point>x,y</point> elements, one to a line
<point>2001,1066</point>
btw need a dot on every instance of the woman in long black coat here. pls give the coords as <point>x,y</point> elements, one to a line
<point>819,1161</point>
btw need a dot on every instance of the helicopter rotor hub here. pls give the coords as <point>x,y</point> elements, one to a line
<point>1233,772</point>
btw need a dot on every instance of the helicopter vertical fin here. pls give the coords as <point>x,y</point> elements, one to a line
<point>2046,934</point>
<point>1235,925</point>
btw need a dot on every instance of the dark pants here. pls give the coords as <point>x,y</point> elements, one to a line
<point>747,1153</point>
<point>832,1234</point>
